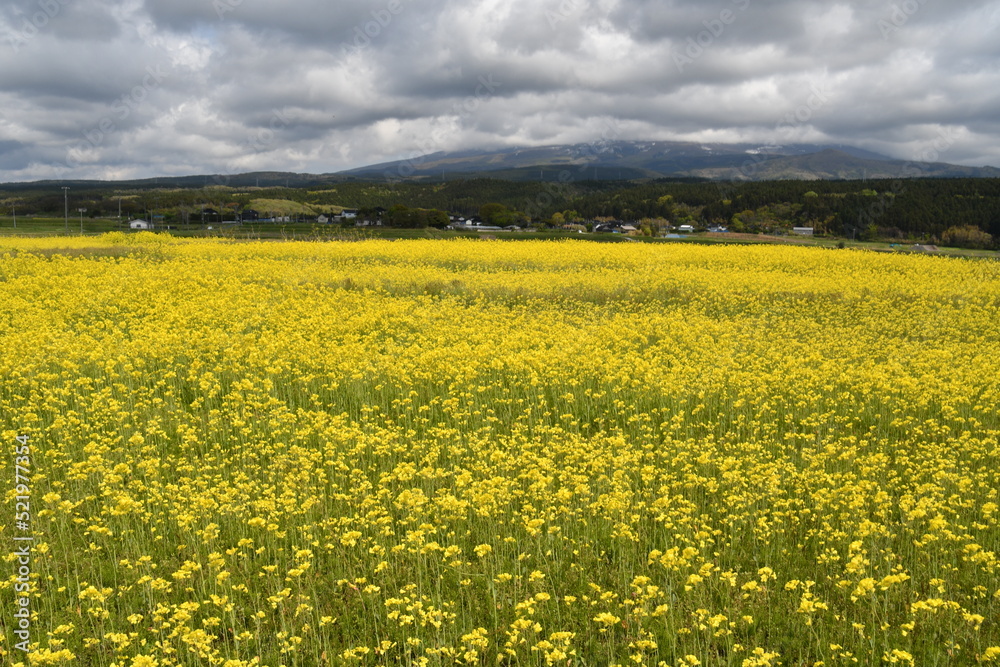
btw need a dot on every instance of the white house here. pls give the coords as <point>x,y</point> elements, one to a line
<point>139,224</point>
<point>802,231</point>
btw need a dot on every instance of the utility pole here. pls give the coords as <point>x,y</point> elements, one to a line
<point>13,212</point>
<point>82,211</point>
<point>66,207</point>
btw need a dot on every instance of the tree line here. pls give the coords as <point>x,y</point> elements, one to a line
<point>911,209</point>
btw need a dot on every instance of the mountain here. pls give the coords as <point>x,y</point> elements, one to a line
<point>263,179</point>
<point>833,164</point>
<point>607,161</point>
<point>630,160</point>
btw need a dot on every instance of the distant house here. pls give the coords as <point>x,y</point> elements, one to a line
<point>687,229</point>
<point>249,215</point>
<point>608,228</point>
<point>802,231</point>
<point>466,224</point>
<point>322,219</point>
<point>354,215</point>
<point>139,224</point>
<point>628,229</point>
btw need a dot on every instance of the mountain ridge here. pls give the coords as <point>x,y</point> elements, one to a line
<point>605,160</point>
<point>652,159</point>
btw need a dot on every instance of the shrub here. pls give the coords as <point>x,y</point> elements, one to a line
<point>966,236</point>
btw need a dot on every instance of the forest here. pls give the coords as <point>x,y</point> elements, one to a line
<point>918,209</point>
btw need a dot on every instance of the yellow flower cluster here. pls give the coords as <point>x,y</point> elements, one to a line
<point>436,452</point>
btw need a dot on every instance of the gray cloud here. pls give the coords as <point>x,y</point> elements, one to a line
<point>102,89</point>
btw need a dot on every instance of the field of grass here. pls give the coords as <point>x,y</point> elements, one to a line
<point>38,226</point>
<point>436,452</point>
<point>311,231</point>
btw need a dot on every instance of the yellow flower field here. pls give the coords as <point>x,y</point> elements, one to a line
<point>462,452</point>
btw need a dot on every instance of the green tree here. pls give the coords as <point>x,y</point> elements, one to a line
<point>400,216</point>
<point>438,219</point>
<point>494,214</point>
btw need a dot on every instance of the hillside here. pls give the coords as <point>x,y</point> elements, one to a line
<point>833,164</point>
<point>630,160</point>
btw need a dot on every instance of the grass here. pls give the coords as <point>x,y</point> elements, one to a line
<point>313,232</point>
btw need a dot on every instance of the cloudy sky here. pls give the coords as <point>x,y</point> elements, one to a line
<point>138,88</point>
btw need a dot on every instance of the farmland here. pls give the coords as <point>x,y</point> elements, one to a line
<point>429,452</point>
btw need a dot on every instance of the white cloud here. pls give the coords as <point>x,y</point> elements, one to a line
<point>363,81</point>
